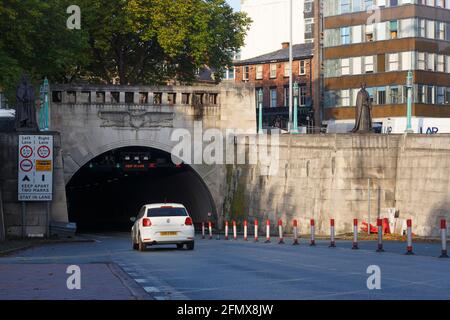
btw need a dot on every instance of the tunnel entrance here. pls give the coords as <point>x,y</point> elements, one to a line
<point>111,188</point>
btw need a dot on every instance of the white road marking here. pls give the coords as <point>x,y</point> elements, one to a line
<point>141,280</point>
<point>151,289</point>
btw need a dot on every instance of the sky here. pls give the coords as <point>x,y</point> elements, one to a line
<point>235,4</point>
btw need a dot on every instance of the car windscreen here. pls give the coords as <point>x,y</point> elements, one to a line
<point>167,212</point>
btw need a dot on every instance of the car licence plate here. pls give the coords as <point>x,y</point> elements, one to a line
<point>169,233</point>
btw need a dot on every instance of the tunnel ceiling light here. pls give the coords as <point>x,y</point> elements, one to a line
<point>136,158</point>
<point>127,158</point>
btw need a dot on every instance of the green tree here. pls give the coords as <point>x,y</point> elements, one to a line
<point>132,41</point>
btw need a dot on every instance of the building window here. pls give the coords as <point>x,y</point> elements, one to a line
<point>259,72</point>
<point>129,97</point>
<point>368,64</point>
<point>393,3</point>
<point>441,31</point>
<point>440,95</point>
<point>308,6</point>
<point>212,98</point>
<point>430,61</point>
<point>157,98</point>
<point>345,67</point>
<point>430,29</point>
<point>286,96</point>
<point>115,97</point>
<point>345,98</point>
<point>273,70</point>
<point>420,93</point>
<point>393,29</point>
<point>345,35</point>
<point>56,96</point>
<point>71,97</point>
<point>171,98</point>
<point>430,94</point>
<point>273,97</point>
<point>345,6</point>
<point>357,5</point>
<point>422,28</point>
<point>369,32</point>
<point>393,62</point>
<point>421,62</point>
<point>143,97</point>
<point>356,65</point>
<point>447,96</point>
<point>357,34</point>
<point>381,95</point>
<point>309,22</point>
<point>228,74</point>
<point>245,73</point>
<point>185,98</point>
<point>368,4</point>
<point>394,95</point>
<point>286,69</point>
<point>440,64</point>
<point>302,94</point>
<point>302,70</point>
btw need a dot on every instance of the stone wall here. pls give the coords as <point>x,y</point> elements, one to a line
<point>326,176</point>
<point>36,212</point>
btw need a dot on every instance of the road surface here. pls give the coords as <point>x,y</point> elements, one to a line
<point>219,269</point>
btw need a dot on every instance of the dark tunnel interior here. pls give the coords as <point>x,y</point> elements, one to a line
<point>111,188</point>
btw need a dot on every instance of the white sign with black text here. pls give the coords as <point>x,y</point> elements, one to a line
<point>35,168</point>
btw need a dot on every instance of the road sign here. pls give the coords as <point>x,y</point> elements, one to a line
<point>35,167</point>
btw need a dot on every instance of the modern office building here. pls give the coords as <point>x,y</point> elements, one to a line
<point>377,43</point>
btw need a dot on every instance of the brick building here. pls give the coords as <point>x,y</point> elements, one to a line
<point>270,73</point>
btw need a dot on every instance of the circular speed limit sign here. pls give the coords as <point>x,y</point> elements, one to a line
<point>43,151</point>
<point>26,151</point>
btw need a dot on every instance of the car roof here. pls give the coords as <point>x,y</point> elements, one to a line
<point>159,205</point>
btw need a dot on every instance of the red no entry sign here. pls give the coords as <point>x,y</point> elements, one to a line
<point>26,165</point>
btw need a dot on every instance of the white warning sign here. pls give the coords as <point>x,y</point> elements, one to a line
<point>35,168</point>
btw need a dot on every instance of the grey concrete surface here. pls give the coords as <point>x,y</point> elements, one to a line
<point>219,269</point>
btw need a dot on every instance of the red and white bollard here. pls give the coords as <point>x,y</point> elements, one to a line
<point>332,241</point>
<point>210,229</point>
<point>380,235</point>
<point>409,248</point>
<point>226,230</point>
<point>355,234</point>
<point>295,230</point>
<point>234,230</point>
<point>245,230</point>
<point>267,231</point>
<point>280,232</point>
<point>203,230</point>
<point>256,230</point>
<point>313,231</point>
<point>444,239</point>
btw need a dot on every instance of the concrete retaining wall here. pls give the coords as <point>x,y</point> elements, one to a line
<point>326,176</point>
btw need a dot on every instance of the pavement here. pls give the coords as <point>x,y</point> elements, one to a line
<point>220,269</point>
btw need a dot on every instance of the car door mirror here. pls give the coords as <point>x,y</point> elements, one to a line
<point>133,219</point>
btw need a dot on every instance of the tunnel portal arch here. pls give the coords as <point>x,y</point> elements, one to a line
<point>102,195</point>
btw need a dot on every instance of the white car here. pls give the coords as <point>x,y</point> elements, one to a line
<point>162,223</point>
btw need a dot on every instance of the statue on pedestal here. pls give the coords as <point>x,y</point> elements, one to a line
<point>25,106</point>
<point>363,114</point>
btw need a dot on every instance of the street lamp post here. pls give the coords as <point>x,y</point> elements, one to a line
<point>409,86</point>
<point>260,97</point>
<point>44,108</point>
<point>290,66</point>
<point>295,126</point>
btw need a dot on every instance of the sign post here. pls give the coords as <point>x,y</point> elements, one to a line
<point>35,172</point>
